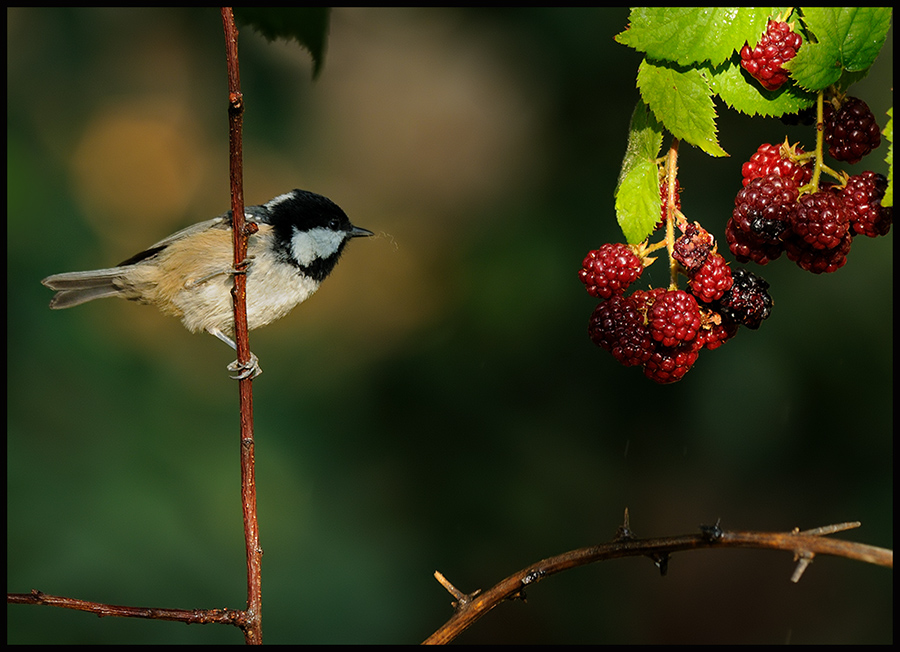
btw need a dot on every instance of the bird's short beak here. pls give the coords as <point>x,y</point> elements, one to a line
<point>357,232</point>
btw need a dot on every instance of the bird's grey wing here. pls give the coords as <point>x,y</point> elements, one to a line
<point>221,222</point>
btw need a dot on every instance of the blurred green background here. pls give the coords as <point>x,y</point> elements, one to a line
<point>438,404</point>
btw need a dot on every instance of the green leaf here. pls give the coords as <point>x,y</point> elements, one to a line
<point>306,25</point>
<point>681,100</point>
<point>730,82</point>
<point>637,193</point>
<point>689,35</point>
<point>847,39</point>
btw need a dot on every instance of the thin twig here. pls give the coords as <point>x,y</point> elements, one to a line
<point>253,628</point>
<point>189,616</point>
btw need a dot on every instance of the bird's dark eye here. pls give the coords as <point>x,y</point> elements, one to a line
<point>334,224</point>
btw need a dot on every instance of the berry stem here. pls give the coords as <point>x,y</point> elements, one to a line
<point>820,139</point>
<point>671,175</point>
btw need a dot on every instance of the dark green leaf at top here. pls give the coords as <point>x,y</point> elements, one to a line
<point>307,25</point>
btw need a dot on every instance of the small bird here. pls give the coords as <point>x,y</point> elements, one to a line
<point>189,274</point>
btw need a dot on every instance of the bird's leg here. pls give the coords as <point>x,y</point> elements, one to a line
<point>249,370</point>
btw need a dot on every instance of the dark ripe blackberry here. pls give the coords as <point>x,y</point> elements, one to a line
<point>777,159</point>
<point>818,261</point>
<point>674,318</point>
<point>610,270</point>
<point>747,302</point>
<point>778,45</point>
<point>821,219</point>
<point>617,326</point>
<point>851,131</point>
<point>763,208</point>
<point>862,196</point>
<point>711,280</point>
<point>668,365</point>
<point>692,248</point>
<point>746,247</point>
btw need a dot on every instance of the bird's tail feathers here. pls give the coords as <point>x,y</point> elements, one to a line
<point>75,288</point>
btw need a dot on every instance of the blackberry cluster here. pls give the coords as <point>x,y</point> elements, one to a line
<point>663,330</point>
<point>776,46</point>
<point>777,212</point>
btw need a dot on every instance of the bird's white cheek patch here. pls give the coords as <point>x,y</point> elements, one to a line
<point>307,246</point>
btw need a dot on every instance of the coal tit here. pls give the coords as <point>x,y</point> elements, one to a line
<point>189,274</point>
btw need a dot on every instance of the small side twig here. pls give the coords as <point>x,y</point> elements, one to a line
<point>189,616</point>
<point>805,545</point>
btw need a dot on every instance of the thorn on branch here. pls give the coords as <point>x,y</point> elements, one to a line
<point>712,533</point>
<point>532,576</point>
<point>623,532</point>
<point>662,562</point>
<point>829,529</point>
<point>803,558</point>
<point>462,599</point>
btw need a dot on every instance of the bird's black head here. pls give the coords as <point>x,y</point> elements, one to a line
<point>310,231</point>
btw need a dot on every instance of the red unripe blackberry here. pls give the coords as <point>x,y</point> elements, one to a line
<point>617,326</point>
<point>818,261</point>
<point>746,246</point>
<point>646,298</point>
<point>862,196</point>
<point>747,302</point>
<point>610,270</point>
<point>713,335</point>
<point>668,365</point>
<point>674,318</point>
<point>851,131</point>
<point>712,279</point>
<point>778,45</point>
<point>763,208</point>
<point>821,219</point>
<point>776,159</point>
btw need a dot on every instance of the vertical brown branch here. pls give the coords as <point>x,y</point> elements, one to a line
<point>253,629</point>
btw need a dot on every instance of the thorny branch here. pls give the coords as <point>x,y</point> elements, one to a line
<point>805,545</point>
